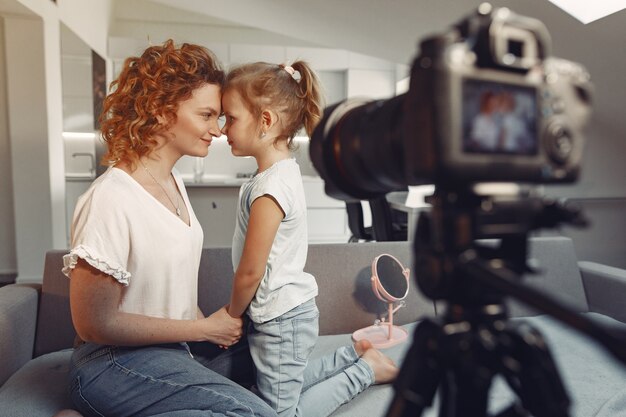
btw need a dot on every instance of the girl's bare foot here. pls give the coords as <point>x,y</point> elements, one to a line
<point>385,370</point>
<point>361,346</point>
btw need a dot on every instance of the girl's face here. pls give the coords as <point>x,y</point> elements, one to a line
<point>196,123</point>
<point>241,128</point>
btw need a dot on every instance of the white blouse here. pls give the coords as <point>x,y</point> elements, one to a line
<point>120,229</point>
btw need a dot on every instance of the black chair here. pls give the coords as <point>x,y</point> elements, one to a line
<point>356,222</point>
<point>388,224</point>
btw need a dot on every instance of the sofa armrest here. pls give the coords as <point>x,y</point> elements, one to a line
<point>605,288</point>
<point>18,321</point>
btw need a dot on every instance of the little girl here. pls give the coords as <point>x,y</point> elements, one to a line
<point>265,106</point>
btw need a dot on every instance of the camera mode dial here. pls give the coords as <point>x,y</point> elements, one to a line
<point>559,142</point>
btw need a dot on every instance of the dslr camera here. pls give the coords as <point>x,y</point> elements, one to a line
<point>486,103</point>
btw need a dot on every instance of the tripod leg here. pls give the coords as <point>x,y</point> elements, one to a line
<point>465,393</point>
<point>530,370</point>
<point>514,410</point>
<point>419,374</point>
<point>468,374</point>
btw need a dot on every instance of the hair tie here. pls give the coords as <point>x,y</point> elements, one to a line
<point>294,74</point>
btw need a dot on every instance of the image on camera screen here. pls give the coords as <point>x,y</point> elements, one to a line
<point>499,118</point>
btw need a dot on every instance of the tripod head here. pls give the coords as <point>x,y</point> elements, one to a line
<point>489,221</point>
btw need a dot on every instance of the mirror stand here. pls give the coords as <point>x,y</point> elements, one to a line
<point>383,334</point>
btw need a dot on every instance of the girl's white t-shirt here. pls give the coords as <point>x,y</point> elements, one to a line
<point>122,230</point>
<point>284,285</point>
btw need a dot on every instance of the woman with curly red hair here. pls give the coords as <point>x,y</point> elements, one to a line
<point>135,253</point>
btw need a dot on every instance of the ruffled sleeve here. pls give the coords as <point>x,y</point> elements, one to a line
<point>97,261</point>
<point>100,230</point>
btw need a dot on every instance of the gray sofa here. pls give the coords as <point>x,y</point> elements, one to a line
<point>36,330</point>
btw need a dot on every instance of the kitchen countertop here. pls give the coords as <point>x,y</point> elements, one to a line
<point>218,180</point>
<point>79,177</point>
<point>213,180</point>
<point>208,180</point>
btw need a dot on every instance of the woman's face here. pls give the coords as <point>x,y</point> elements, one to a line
<point>241,127</point>
<point>196,123</point>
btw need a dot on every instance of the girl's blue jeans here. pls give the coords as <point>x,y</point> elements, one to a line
<point>292,384</point>
<point>162,380</point>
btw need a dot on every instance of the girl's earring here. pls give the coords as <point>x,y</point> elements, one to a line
<point>263,135</point>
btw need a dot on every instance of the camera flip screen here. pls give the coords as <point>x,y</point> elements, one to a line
<point>499,118</point>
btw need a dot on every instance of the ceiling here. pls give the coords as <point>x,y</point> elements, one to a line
<point>12,7</point>
<point>384,29</point>
<point>391,30</point>
<point>387,29</point>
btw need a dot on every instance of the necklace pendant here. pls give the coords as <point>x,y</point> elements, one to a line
<point>178,212</point>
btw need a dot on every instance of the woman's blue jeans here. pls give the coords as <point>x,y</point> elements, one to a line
<point>289,381</point>
<point>160,380</point>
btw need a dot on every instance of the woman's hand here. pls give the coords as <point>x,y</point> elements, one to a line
<point>222,329</point>
<point>94,301</point>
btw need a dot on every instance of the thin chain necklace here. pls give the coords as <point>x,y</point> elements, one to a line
<point>176,206</point>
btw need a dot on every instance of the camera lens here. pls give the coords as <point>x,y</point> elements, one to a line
<point>357,148</point>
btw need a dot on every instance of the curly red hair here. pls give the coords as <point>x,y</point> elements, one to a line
<point>149,87</point>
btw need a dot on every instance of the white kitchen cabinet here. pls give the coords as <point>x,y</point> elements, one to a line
<point>74,188</point>
<point>327,218</point>
<point>215,208</point>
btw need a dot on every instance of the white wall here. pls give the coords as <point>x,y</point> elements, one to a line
<point>35,120</point>
<point>89,19</point>
<point>8,263</point>
<point>28,131</point>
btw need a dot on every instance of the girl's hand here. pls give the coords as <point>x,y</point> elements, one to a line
<point>222,329</point>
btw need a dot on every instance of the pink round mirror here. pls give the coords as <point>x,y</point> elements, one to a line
<point>390,283</point>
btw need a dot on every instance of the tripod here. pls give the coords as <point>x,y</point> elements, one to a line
<point>461,353</point>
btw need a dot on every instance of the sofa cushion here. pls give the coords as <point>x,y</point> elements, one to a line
<point>343,273</point>
<point>594,380</point>
<point>557,275</point>
<point>346,300</point>
<point>372,402</point>
<point>18,303</point>
<point>604,287</point>
<point>39,388</point>
<point>54,321</point>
